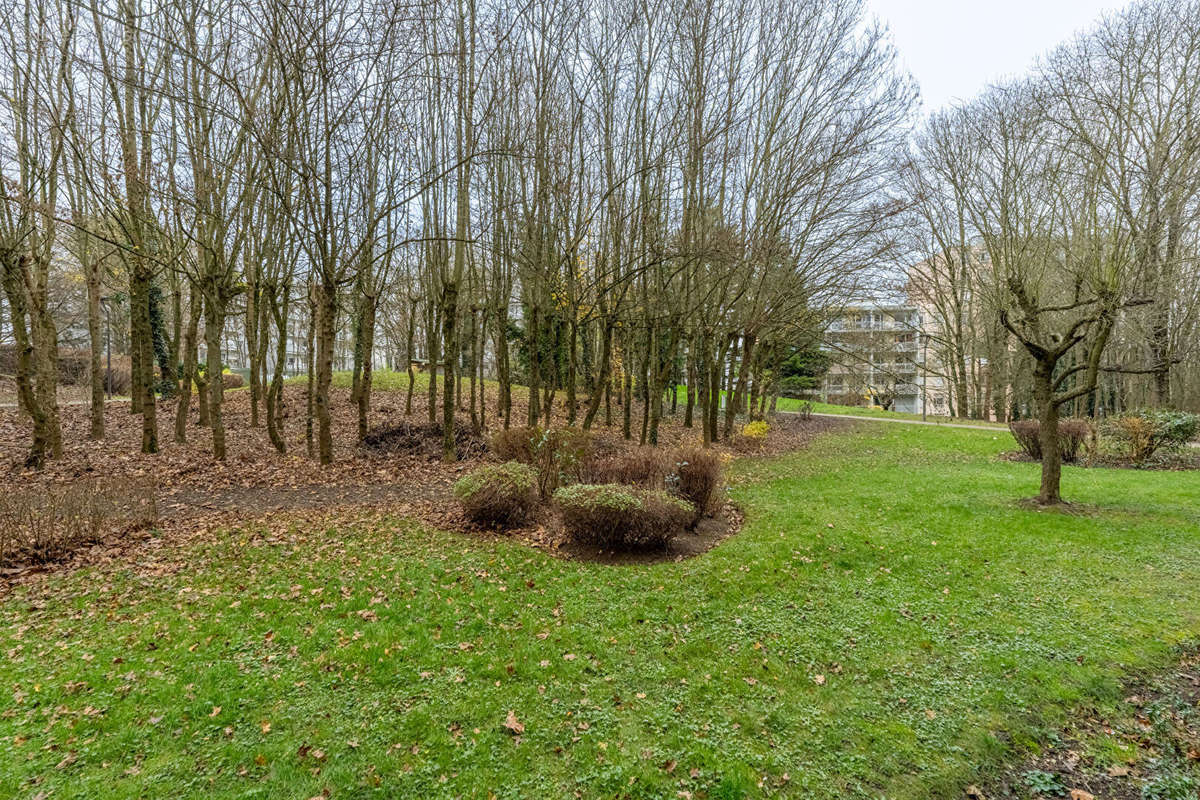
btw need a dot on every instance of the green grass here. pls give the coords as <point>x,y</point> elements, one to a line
<point>389,380</point>
<point>889,622</point>
<point>863,411</point>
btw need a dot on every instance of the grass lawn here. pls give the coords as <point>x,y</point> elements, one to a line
<point>890,623</point>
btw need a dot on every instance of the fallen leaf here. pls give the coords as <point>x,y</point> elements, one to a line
<point>513,724</point>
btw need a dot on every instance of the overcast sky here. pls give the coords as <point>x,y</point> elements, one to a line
<point>954,48</point>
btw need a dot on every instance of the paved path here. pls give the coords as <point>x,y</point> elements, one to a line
<point>993,428</point>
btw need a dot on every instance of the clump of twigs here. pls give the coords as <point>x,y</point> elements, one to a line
<point>44,524</point>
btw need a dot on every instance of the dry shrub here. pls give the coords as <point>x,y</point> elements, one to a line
<point>1144,433</point>
<point>559,455</point>
<point>621,517</point>
<point>1073,437</point>
<point>647,467</point>
<point>74,366</point>
<point>118,380</point>
<point>232,380</point>
<point>47,523</point>
<point>698,479</point>
<point>498,494</point>
<point>425,439</point>
<point>515,444</point>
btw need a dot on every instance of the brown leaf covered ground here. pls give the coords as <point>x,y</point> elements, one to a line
<point>197,495</point>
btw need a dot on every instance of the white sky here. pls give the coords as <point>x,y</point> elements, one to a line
<point>954,48</point>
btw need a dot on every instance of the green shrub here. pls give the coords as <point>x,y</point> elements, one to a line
<point>756,430</point>
<point>698,479</point>
<point>498,494</point>
<point>1144,433</point>
<point>1073,437</point>
<point>620,517</point>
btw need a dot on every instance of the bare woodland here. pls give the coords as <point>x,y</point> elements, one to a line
<point>591,204</point>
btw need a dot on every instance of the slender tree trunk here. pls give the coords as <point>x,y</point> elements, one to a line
<point>214,326</point>
<point>143,348</point>
<point>96,342</point>
<point>279,310</point>
<point>409,353</point>
<point>366,365</point>
<point>310,394</point>
<point>326,329</point>
<point>599,389</point>
<point>189,365</point>
<point>450,367</point>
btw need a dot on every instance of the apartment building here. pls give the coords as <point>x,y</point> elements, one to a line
<point>879,356</point>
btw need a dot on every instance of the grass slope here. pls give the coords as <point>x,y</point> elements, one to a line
<point>888,623</point>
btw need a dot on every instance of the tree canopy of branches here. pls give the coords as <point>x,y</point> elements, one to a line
<point>594,202</point>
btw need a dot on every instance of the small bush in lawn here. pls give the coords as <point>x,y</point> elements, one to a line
<point>698,479</point>
<point>1144,433</point>
<point>621,517</point>
<point>1073,437</point>
<point>498,494</point>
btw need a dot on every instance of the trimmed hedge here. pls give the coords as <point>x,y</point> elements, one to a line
<point>498,494</point>
<point>619,517</point>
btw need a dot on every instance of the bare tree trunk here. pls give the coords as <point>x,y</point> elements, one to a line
<point>189,365</point>
<point>96,343</point>
<point>366,364</point>
<point>326,329</point>
<point>214,326</point>
<point>279,311</point>
<point>1043,392</point>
